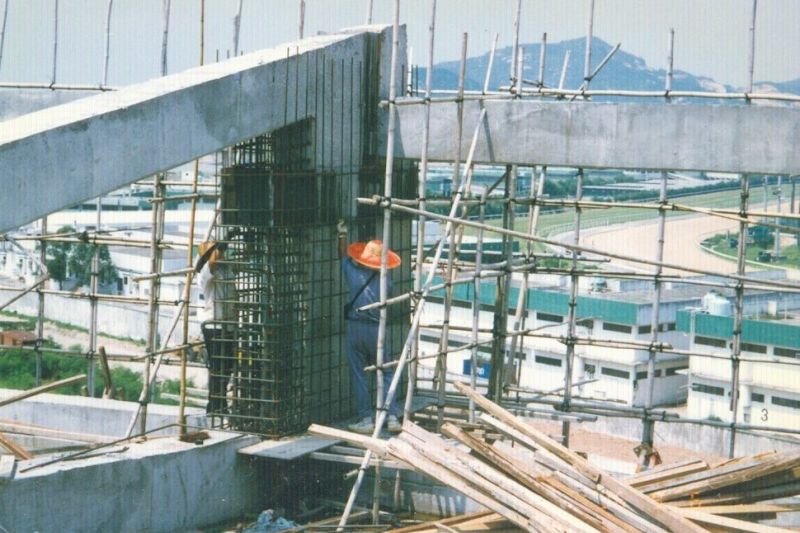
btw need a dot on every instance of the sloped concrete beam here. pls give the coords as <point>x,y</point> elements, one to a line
<point>723,138</point>
<point>59,156</point>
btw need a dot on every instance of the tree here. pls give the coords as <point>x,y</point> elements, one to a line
<point>76,258</point>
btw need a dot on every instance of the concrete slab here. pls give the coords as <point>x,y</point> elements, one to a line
<point>289,448</point>
<point>733,138</point>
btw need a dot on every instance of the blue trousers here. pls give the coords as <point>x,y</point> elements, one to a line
<point>362,346</point>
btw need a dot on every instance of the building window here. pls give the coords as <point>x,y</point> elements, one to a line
<point>549,361</point>
<point>708,341</point>
<point>613,372</point>
<point>786,402</point>
<point>787,352</point>
<point>547,317</point>
<point>756,348</point>
<point>586,323</point>
<point>609,326</point>
<point>708,389</point>
<point>645,329</point>
<point>675,369</point>
<point>643,374</point>
<point>589,368</point>
<point>669,326</point>
<point>757,397</point>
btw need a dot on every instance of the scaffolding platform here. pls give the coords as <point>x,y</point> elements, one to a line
<point>288,448</point>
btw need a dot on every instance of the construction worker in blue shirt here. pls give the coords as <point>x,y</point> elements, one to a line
<point>361,263</point>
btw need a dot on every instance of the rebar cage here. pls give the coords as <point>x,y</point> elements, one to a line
<point>277,361</point>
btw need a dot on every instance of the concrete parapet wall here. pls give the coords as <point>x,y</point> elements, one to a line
<point>90,415</point>
<point>158,485</point>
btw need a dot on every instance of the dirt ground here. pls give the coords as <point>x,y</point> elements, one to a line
<point>617,448</point>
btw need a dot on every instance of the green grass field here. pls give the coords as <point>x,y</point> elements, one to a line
<point>791,254</point>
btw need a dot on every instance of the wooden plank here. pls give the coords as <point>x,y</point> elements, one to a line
<point>729,523</point>
<point>764,494</point>
<point>674,471</point>
<point>8,467</point>
<point>44,388</point>
<point>450,521</point>
<point>479,475</point>
<point>706,474</point>
<point>752,508</point>
<point>356,460</point>
<point>11,426</point>
<point>13,447</point>
<point>665,515</point>
<point>537,495</point>
<point>288,449</point>
<point>787,461</point>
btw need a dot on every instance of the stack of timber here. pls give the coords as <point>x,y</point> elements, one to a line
<point>533,483</point>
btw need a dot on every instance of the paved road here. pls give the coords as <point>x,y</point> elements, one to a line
<point>681,245</point>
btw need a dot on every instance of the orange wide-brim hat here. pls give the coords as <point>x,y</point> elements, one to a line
<point>368,254</point>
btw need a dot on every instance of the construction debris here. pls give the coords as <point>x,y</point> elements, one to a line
<point>532,482</point>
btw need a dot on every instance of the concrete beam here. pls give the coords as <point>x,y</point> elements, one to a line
<point>741,138</point>
<point>18,102</point>
<point>57,157</point>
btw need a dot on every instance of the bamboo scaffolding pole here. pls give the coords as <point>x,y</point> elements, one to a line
<point>751,50</point>
<point>587,56</point>
<point>670,61</point>
<point>452,251</point>
<point>43,388</point>
<point>476,307</point>
<point>40,309</point>
<point>94,289</point>
<point>56,86</point>
<point>3,31</point>
<point>500,360</point>
<point>542,57</point>
<point>83,296</point>
<point>487,79</point>
<point>562,79</point>
<point>302,23</point>
<point>381,404</point>
<point>421,193</point>
<point>377,200</point>
<point>402,359</point>
<point>165,6</point>
<point>111,356</point>
<point>648,428</point>
<point>738,313</point>
<point>155,285</point>
<point>573,293</point>
<point>515,49</point>
<point>589,93</point>
<point>108,43</point>
<point>55,43</point>
<point>237,24</point>
<point>369,12</point>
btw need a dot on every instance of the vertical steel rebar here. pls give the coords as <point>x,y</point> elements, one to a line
<point>108,42</point>
<point>738,312</point>
<point>421,193</point>
<point>572,311</point>
<point>165,36</point>
<point>441,360</point>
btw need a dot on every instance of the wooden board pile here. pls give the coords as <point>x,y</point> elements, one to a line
<point>537,484</point>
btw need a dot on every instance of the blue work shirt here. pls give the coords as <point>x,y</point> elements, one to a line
<point>356,276</point>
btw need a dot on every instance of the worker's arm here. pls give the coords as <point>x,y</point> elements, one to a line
<point>341,231</point>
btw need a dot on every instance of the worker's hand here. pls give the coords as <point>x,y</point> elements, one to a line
<point>341,228</point>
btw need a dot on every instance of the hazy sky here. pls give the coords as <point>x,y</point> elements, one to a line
<point>711,35</point>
